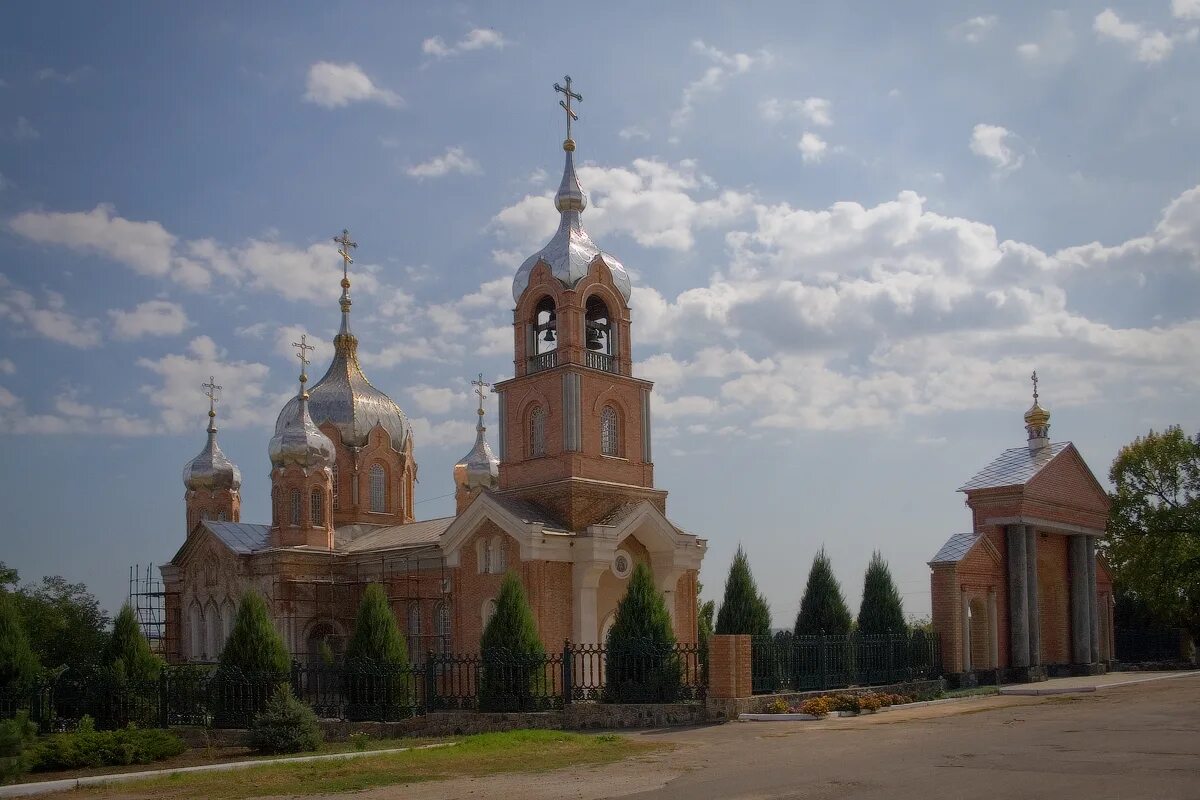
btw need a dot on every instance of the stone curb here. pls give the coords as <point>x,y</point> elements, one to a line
<point>1029,691</point>
<point>66,784</point>
<point>835,714</point>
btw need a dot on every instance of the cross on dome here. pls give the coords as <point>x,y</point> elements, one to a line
<point>302,347</point>
<point>212,391</point>
<point>566,105</point>
<point>344,252</point>
<point>481,388</point>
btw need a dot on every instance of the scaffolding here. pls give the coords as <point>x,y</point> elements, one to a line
<point>319,609</point>
<point>148,599</point>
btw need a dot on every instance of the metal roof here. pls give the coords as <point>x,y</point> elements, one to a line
<point>1014,467</point>
<point>412,534</point>
<point>529,512</point>
<point>240,537</point>
<point>955,548</point>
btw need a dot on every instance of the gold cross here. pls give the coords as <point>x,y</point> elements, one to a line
<point>566,103</point>
<point>344,251</point>
<point>212,392</point>
<point>1034,378</point>
<point>480,386</point>
<point>301,347</point>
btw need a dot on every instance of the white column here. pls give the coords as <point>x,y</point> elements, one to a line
<point>993,629</point>
<point>966,631</point>
<point>585,577</point>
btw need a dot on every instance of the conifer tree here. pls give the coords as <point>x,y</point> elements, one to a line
<point>822,609</point>
<point>641,663</point>
<point>128,653</point>
<point>19,665</point>
<point>377,639</point>
<point>743,609</point>
<point>378,682</point>
<point>882,610</point>
<point>513,655</point>
<point>254,646</point>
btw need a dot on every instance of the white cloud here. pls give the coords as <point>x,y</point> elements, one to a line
<point>4,182</point>
<point>23,130</point>
<point>7,367</point>
<point>994,143</point>
<point>144,246</point>
<point>713,80</point>
<point>453,160</point>
<point>1029,50</point>
<point>451,433</point>
<point>812,147</point>
<point>634,132</point>
<point>974,29</point>
<point>475,39</point>
<point>68,414</point>
<point>815,110</point>
<point>437,399</point>
<point>1185,9</point>
<point>1149,46</point>
<point>51,74</point>
<point>152,318</point>
<point>1055,43</point>
<point>333,85</point>
<point>181,405</point>
<point>49,319</point>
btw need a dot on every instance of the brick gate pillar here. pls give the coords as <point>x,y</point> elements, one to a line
<point>1018,596</point>
<point>729,667</point>
<point>1081,623</point>
<point>1031,591</point>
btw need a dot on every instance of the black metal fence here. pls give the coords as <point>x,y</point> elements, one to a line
<point>784,663</point>
<point>499,680</point>
<point>1134,646</point>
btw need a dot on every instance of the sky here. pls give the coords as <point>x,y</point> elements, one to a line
<point>853,231</point>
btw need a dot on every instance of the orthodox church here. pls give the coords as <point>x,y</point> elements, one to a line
<point>1024,594</point>
<point>569,505</point>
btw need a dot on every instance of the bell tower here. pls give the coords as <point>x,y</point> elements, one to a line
<point>574,422</point>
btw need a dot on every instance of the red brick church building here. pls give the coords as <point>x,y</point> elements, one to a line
<point>1024,592</point>
<point>570,504</point>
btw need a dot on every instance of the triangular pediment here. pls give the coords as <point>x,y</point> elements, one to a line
<point>1067,480</point>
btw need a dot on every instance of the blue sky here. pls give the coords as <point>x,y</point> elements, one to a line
<point>853,231</point>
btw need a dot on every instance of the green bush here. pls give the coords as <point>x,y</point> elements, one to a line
<point>88,747</point>
<point>641,662</point>
<point>513,657</point>
<point>379,683</point>
<point>285,725</point>
<point>881,610</point>
<point>252,664</point>
<point>743,609</point>
<point>17,736</point>
<point>823,610</point>
<point>19,667</point>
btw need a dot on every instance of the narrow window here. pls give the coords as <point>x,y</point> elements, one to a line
<point>537,432</point>
<point>608,432</point>
<point>489,611</point>
<point>315,508</point>
<point>295,516</point>
<point>414,631</point>
<point>497,552</point>
<point>197,626</point>
<point>378,490</point>
<point>220,516</point>
<point>441,621</point>
<point>336,502</point>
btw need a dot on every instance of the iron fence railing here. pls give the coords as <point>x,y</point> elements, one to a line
<point>498,680</point>
<point>801,663</point>
<point>1133,646</point>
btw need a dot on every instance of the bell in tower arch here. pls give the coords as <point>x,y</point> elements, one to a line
<point>599,334</point>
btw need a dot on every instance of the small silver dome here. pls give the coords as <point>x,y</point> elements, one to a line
<point>301,442</point>
<point>479,467</point>
<point>570,251</point>
<point>211,470</point>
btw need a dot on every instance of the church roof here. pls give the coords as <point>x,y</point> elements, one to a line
<point>529,512</point>
<point>240,537</point>
<point>955,548</point>
<point>412,534</point>
<point>1014,467</point>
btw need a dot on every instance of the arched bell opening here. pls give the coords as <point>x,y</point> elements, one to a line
<point>545,327</point>
<point>598,338</point>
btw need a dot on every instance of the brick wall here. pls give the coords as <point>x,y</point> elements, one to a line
<point>1054,597</point>
<point>729,667</point>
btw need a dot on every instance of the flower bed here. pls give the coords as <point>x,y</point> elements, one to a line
<point>842,703</point>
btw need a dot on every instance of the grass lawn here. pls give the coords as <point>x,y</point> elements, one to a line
<point>483,754</point>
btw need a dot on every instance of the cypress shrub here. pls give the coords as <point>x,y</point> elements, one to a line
<point>514,659</point>
<point>252,664</point>
<point>131,670</point>
<point>285,725</point>
<point>379,683</point>
<point>19,667</point>
<point>881,611</point>
<point>743,609</point>
<point>642,664</point>
<point>17,738</point>
<point>822,609</point>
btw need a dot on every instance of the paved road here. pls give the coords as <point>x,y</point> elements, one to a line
<point>1139,741</point>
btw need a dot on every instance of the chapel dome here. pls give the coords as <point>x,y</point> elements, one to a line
<point>1036,415</point>
<point>211,470</point>
<point>300,442</point>
<point>479,467</point>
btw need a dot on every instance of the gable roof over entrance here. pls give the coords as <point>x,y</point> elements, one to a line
<point>1014,467</point>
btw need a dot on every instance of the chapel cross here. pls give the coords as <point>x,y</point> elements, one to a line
<point>566,103</point>
<point>302,347</point>
<point>344,252</point>
<point>1034,378</point>
<point>212,391</point>
<point>480,389</point>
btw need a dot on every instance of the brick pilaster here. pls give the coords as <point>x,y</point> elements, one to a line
<point>729,667</point>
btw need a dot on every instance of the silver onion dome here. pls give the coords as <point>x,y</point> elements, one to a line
<point>211,470</point>
<point>570,251</point>
<point>300,442</point>
<point>479,467</point>
<point>346,398</point>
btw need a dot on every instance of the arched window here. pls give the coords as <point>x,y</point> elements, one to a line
<point>441,623</point>
<point>598,328</point>
<point>212,619</point>
<point>295,507</point>
<point>316,508</point>
<point>378,489</point>
<point>196,626</point>
<point>496,549</point>
<point>545,327</point>
<point>220,516</point>
<point>537,432</point>
<point>489,611</point>
<point>276,512</point>
<point>609,439</point>
<point>228,612</point>
<point>336,501</point>
<point>414,631</point>
<point>483,553</point>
